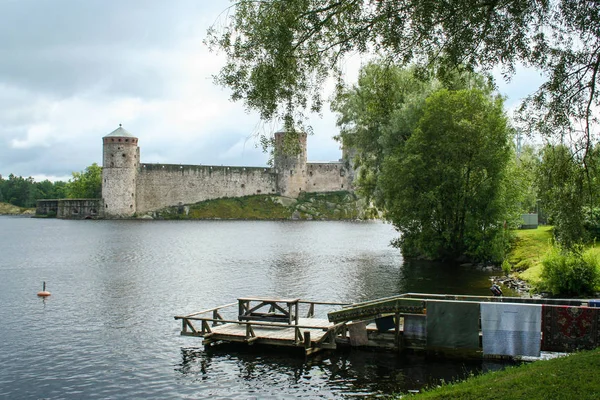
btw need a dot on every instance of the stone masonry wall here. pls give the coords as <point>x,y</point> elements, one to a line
<point>327,177</point>
<point>163,185</point>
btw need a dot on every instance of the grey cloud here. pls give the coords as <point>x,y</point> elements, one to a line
<point>63,47</point>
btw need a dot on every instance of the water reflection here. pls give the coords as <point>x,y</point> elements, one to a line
<point>349,373</point>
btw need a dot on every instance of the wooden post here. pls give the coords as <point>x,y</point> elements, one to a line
<point>307,339</point>
<point>311,311</point>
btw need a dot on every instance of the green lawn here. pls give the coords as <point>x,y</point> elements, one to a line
<point>571,377</point>
<point>530,247</point>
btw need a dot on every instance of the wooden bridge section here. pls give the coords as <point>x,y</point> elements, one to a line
<point>265,321</point>
<point>396,323</point>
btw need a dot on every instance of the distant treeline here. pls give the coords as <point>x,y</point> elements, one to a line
<point>24,192</point>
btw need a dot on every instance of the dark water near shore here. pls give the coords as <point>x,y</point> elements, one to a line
<point>108,330</point>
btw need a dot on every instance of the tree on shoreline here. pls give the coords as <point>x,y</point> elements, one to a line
<point>86,184</point>
<point>435,157</point>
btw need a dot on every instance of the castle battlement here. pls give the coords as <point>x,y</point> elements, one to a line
<point>130,187</point>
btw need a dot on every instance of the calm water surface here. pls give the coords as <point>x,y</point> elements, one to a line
<point>108,330</point>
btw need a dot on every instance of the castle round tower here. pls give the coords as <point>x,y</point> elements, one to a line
<point>121,157</point>
<point>290,163</point>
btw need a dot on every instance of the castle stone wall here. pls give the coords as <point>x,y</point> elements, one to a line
<point>327,177</point>
<point>119,170</point>
<point>290,165</point>
<point>163,185</point>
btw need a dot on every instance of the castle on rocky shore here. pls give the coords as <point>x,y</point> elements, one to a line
<point>130,187</point>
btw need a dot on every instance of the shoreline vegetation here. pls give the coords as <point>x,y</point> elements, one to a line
<point>332,206</point>
<point>530,248</point>
<point>9,209</point>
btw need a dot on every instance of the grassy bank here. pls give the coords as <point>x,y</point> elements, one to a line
<point>9,209</point>
<point>571,377</point>
<point>530,247</point>
<point>308,206</point>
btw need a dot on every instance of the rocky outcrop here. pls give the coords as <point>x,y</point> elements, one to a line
<point>308,206</point>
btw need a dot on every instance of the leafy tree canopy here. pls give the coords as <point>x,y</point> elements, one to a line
<point>86,184</point>
<point>279,52</point>
<point>434,155</point>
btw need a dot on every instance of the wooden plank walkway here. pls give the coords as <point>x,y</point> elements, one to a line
<point>236,332</point>
<point>267,321</point>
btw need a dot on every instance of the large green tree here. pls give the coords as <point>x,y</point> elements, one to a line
<point>568,190</point>
<point>280,52</point>
<point>445,190</point>
<point>435,156</point>
<point>86,184</point>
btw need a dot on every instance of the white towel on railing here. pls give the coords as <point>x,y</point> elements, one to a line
<point>511,329</point>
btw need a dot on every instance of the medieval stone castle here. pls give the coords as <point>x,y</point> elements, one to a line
<point>131,188</point>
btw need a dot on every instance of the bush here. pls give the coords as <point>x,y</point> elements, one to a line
<point>570,272</point>
<point>523,265</point>
<point>506,267</point>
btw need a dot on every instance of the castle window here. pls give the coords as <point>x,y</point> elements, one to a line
<point>258,191</point>
<point>106,205</point>
<point>112,164</point>
<point>119,140</point>
<point>131,194</point>
<point>342,185</point>
<point>124,155</point>
<point>243,185</point>
<point>310,173</point>
<point>291,172</point>
<point>112,140</point>
<point>131,206</point>
<point>126,140</point>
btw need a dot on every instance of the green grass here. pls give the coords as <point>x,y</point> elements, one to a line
<point>530,247</point>
<point>571,377</point>
<point>250,207</point>
<point>329,206</point>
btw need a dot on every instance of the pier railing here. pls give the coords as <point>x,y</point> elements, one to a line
<point>201,323</point>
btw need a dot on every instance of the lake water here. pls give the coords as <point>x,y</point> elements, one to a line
<point>108,330</point>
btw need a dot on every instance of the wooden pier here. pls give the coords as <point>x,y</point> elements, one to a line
<point>274,322</point>
<point>395,323</point>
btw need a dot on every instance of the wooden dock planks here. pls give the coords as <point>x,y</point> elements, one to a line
<point>237,332</point>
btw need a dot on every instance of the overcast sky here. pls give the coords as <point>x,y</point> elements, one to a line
<point>72,71</point>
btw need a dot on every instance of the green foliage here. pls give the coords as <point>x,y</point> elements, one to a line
<point>564,192</point>
<point>280,52</point>
<point>506,267</point>
<point>340,205</point>
<point>23,192</point>
<point>525,174</point>
<point>86,184</point>
<point>445,188</point>
<point>570,272</point>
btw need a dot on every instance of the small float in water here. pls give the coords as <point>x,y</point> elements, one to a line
<point>44,292</point>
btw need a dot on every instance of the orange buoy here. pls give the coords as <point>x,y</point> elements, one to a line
<point>44,293</point>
